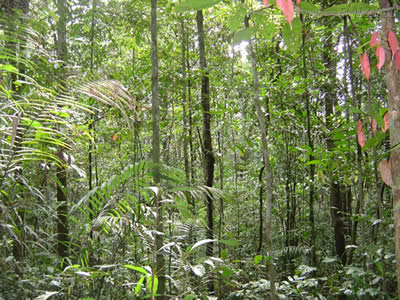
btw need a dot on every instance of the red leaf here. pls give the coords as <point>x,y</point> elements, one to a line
<point>380,53</point>
<point>279,3</point>
<point>365,65</point>
<point>397,59</point>
<point>360,134</point>
<point>298,1</point>
<point>265,3</point>
<point>288,10</point>
<point>374,126</point>
<point>393,43</point>
<point>386,122</point>
<point>374,39</point>
<point>115,137</point>
<point>385,168</point>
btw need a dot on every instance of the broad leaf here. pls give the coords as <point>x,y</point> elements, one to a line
<point>385,122</point>
<point>236,20</point>
<point>365,65</point>
<point>397,59</point>
<point>288,11</point>
<point>292,36</point>
<point>199,270</point>
<point>374,39</point>
<point>309,7</point>
<point>380,53</point>
<point>360,134</point>
<point>374,126</point>
<point>385,168</point>
<point>189,5</point>
<point>393,42</point>
<point>242,35</point>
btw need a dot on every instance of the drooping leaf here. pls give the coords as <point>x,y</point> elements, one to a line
<point>265,3</point>
<point>288,11</point>
<point>152,284</point>
<point>385,122</point>
<point>279,3</point>
<point>139,285</point>
<point>307,6</point>
<point>242,35</point>
<point>139,269</point>
<point>393,42</point>
<point>397,59</point>
<point>385,168</point>
<point>365,65</point>
<point>380,53</point>
<point>202,242</point>
<point>360,134</point>
<point>189,5</point>
<point>374,39</point>
<point>199,270</point>
<point>374,126</point>
<point>292,35</point>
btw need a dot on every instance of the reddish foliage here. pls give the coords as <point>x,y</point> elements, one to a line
<point>360,134</point>
<point>365,65</point>
<point>288,10</point>
<point>374,126</point>
<point>386,122</point>
<point>393,43</point>
<point>374,39</point>
<point>380,53</point>
<point>385,168</point>
<point>397,59</point>
<point>265,3</point>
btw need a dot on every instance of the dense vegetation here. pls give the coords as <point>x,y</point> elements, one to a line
<point>199,149</point>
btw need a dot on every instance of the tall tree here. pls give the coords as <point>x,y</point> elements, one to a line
<point>61,173</point>
<point>155,102</point>
<point>208,156</point>
<point>267,167</point>
<point>393,86</point>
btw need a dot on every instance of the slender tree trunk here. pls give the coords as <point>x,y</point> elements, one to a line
<point>208,155</point>
<point>155,101</point>
<point>393,86</point>
<point>311,168</point>
<point>268,176</point>
<point>61,173</point>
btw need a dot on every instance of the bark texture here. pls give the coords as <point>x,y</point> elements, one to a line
<point>393,86</point>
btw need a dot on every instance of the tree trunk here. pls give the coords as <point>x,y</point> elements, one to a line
<point>393,86</point>
<point>208,156</point>
<point>61,173</point>
<point>155,101</point>
<point>267,170</point>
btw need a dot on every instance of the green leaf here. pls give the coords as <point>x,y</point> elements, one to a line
<point>242,35</point>
<point>236,21</point>
<point>139,269</point>
<point>258,259</point>
<point>8,68</point>
<point>189,5</point>
<point>152,284</point>
<point>308,7</point>
<point>139,285</point>
<point>292,36</point>
<point>202,242</point>
<point>313,162</point>
<point>230,242</point>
